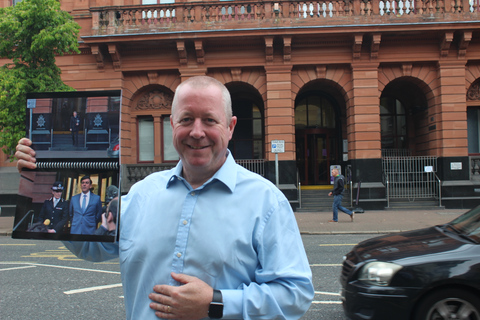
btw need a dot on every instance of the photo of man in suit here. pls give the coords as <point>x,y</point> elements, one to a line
<point>54,213</point>
<point>85,209</point>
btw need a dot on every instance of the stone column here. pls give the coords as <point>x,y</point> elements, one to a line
<point>449,121</point>
<point>364,131</point>
<point>280,120</point>
<point>363,113</point>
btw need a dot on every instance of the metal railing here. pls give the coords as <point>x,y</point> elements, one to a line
<point>439,190</point>
<point>254,165</point>
<point>411,178</point>
<point>474,167</point>
<point>348,175</point>
<point>387,189</point>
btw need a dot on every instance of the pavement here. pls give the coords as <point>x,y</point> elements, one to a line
<point>369,222</point>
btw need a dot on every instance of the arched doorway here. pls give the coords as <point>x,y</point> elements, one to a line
<point>316,137</point>
<point>402,117</point>
<point>248,137</point>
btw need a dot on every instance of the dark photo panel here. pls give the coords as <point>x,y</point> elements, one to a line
<point>73,194</point>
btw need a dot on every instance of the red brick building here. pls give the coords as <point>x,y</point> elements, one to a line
<point>340,82</point>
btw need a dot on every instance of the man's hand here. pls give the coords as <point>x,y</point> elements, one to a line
<point>189,301</point>
<point>25,155</point>
<point>330,194</point>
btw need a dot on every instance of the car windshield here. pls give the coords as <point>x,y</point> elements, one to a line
<point>468,224</point>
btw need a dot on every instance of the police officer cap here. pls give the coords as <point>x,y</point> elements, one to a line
<point>57,186</point>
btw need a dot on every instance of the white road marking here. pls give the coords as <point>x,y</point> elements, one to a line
<point>34,265</point>
<point>61,267</point>
<point>17,268</point>
<point>327,302</point>
<point>108,286</point>
<point>327,293</point>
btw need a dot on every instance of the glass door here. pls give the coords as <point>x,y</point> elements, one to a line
<point>316,151</point>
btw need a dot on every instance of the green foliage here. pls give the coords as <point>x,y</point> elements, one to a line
<point>32,33</point>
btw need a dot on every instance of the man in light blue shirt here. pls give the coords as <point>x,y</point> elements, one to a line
<point>207,239</point>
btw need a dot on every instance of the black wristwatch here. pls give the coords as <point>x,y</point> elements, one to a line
<point>215,311</point>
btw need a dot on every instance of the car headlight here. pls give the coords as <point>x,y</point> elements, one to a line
<point>378,273</point>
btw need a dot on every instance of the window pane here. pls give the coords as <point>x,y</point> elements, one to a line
<point>243,129</point>
<point>243,149</point>
<point>384,106</point>
<point>328,116</point>
<point>145,139</point>
<point>256,112</point>
<point>400,108</point>
<point>401,125</point>
<point>301,116</point>
<point>314,112</point>
<point>257,128</point>
<point>169,152</point>
<point>257,149</point>
<point>473,131</point>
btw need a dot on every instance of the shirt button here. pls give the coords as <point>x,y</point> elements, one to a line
<point>192,193</point>
<point>179,254</point>
<point>185,222</point>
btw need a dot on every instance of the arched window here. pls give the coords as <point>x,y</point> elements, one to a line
<point>152,108</point>
<point>393,123</point>
<point>314,111</point>
<point>247,140</point>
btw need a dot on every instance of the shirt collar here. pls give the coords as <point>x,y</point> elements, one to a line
<point>227,174</point>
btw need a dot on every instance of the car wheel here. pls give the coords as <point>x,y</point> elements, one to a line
<point>449,304</point>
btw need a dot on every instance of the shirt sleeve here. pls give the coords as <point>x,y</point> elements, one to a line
<point>283,286</point>
<point>93,251</point>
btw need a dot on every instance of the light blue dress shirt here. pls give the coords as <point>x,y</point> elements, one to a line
<point>237,233</point>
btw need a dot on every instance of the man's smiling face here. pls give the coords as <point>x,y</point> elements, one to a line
<point>200,130</point>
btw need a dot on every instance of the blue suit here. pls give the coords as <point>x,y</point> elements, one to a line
<point>85,222</point>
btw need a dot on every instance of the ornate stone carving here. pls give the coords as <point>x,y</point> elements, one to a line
<point>474,92</point>
<point>155,100</point>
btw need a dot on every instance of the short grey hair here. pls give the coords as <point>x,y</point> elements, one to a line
<point>204,82</point>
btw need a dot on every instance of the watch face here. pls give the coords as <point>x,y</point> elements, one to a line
<point>216,310</point>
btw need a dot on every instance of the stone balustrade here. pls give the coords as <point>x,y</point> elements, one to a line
<point>252,14</point>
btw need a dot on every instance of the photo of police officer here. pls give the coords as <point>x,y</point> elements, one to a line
<point>54,213</point>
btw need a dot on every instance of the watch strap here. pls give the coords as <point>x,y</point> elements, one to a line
<point>217,296</point>
<point>215,311</point>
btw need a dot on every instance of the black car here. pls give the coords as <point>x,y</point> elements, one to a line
<point>431,273</point>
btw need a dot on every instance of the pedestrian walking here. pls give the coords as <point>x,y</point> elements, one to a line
<point>337,193</point>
